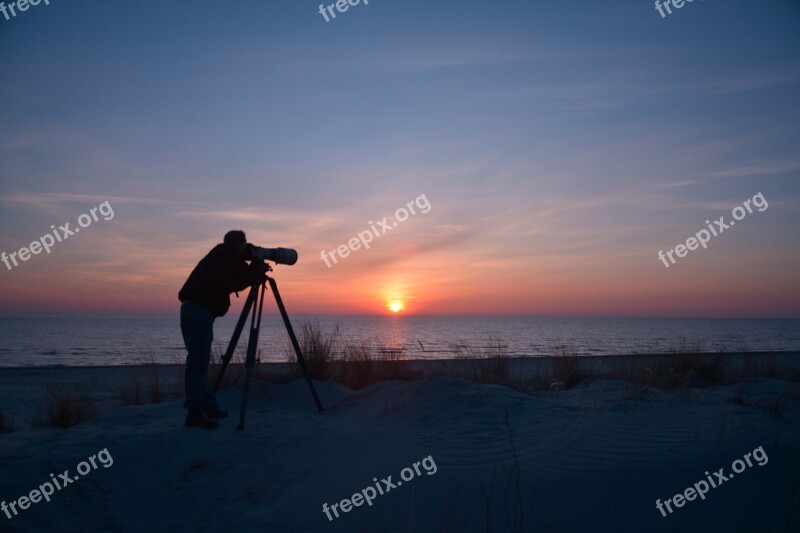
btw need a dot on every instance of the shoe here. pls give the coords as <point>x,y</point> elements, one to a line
<point>195,419</point>
<point>216,412</point>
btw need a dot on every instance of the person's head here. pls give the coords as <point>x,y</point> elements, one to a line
<point>236,239</point>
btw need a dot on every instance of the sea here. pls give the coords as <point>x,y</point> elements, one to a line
<point>35,341</point>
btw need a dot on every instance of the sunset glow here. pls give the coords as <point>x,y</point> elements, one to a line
<point>516,175</point>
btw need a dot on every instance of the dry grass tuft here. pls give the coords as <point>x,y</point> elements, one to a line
<point>234,374</point>
<point>684,371</point>
<point>153,381</point>
<point>6,423</point>
<point>490,361</point>
<point>180,392</point>
<point>355,365</point>
<point>390,362</point>
<point>66,406</point>
<point>358,369</point>
<point>318,349</point>
<point>131,392</point>
<point>567,367</point>
<point>143,384</point>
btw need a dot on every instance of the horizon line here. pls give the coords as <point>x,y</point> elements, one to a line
<point>400,315</point>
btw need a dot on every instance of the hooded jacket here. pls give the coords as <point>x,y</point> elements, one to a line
<point>216,276</point>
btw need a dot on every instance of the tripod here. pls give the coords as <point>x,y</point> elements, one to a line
<point>257,293</point>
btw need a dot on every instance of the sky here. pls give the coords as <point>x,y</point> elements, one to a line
<point>558,147</point>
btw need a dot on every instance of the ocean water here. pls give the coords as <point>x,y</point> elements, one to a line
<point>117,340</point>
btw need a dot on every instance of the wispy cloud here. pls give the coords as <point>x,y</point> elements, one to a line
<point>761,169</point>
<point>32,199</point>
<point>758,170</point>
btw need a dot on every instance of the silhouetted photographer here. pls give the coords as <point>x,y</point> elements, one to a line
<point>206,296</point>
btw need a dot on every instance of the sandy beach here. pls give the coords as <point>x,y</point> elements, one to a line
<point>597,456</point>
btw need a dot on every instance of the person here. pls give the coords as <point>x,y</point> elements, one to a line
<point>204,297</point>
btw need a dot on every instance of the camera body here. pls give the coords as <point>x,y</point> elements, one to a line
<point>280,256</point>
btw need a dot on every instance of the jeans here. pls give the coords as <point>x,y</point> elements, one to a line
<point>197,327</point>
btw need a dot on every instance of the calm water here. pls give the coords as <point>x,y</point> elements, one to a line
<point>104,340</point>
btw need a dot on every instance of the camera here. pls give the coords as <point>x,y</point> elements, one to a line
<point>281,256</point>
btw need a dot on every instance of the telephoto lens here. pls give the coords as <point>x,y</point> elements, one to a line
<point>281,256</point>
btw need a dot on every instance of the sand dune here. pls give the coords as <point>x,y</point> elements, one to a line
<point>592,458</point>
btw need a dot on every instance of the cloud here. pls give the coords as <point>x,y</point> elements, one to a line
<point>737,172</point>
<point>33,199</point>
<point>758,170</point>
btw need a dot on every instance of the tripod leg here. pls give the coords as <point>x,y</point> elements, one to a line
<point>252,348</point>
<point>251,297</point>
<point>295,344</point>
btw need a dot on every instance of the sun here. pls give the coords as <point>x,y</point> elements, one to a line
<point>395,306</point>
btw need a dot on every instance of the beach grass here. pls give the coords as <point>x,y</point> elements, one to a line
<point>357,364</point>
<point>6,422</point>
<point>65,406</point>
<point>142,384</point>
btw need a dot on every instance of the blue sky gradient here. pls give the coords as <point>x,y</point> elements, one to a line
<point>561,145</point>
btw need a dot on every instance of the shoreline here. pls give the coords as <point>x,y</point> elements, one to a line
<point>22,389</point>
<point>757,353</point>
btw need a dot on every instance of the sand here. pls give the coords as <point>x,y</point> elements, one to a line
<point>595,457</point>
